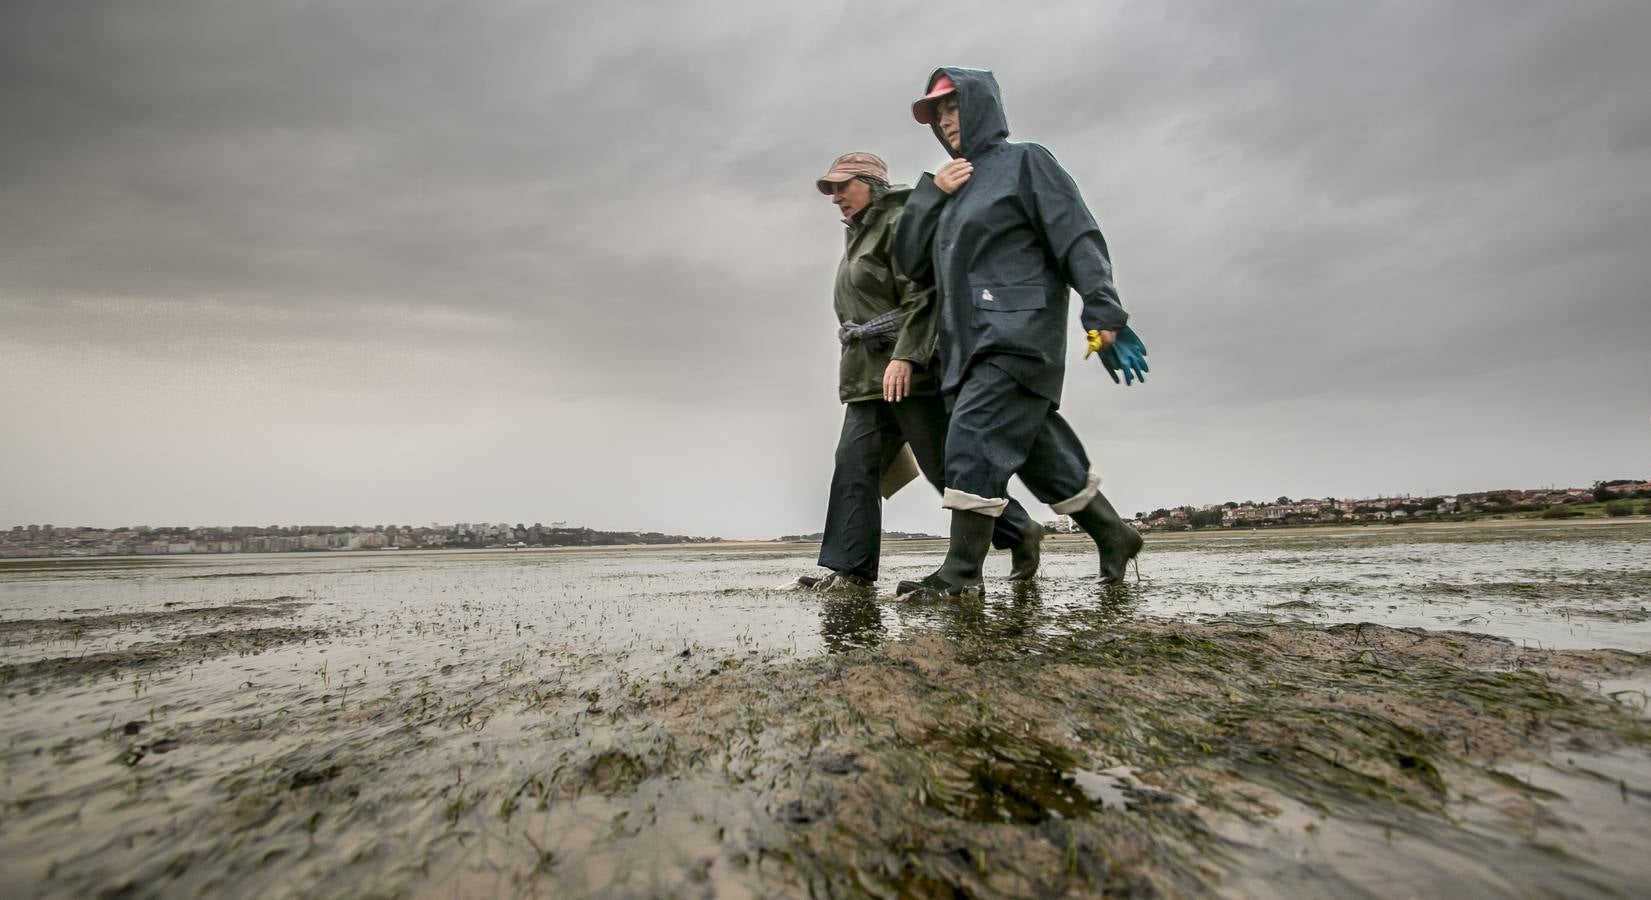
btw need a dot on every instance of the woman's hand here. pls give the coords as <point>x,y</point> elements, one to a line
<point>897,381</point>
<point>953,175</point>
<point>1100,340</point>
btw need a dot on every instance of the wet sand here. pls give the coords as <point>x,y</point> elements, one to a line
<point>1280,714</point>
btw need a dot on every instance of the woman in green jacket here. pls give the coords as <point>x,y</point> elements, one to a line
<point>886,382</point>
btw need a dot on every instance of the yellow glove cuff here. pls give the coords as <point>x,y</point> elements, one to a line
<point>1094,344</point>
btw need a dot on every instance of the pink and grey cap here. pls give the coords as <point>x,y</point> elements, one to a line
<point>850,166</point>
<point>923,108</point>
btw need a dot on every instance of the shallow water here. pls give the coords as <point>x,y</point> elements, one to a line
<point>1565,587</point>
<point>336,723</point>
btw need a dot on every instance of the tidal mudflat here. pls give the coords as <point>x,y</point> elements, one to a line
<point>1370,712</point>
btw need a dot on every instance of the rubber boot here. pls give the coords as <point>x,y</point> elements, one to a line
<point>1116,542</point>
<point>836,582</point>
<point>1025,556</point>
<point>971,539</point>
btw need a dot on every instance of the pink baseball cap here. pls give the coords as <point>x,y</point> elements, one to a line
<point>850,166</point>
<point>923,108</point>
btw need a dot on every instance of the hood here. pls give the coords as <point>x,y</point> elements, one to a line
<point>980,109</point>
<point>893,197</point>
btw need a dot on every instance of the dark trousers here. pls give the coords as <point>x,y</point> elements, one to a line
<point>999,429</point>
<point>873,431</point>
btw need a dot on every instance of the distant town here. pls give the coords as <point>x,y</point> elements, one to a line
<point>142,540</point>
<point>1622,497</point>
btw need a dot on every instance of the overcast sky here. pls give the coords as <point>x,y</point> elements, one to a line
<point>375,262</point>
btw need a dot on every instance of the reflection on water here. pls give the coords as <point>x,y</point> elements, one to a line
<point>851,621</point>
<point>1577,586</point>
<point>1016,617</point>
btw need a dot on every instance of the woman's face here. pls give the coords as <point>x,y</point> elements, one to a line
<point>950,122</point>
<point>851,196</point>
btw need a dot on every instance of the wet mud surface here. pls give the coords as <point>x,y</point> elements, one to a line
<point>1269,715</point>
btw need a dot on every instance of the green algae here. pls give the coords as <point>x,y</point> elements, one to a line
<point>975,744</point>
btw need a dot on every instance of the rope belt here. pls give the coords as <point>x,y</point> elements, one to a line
<point>876,330</point>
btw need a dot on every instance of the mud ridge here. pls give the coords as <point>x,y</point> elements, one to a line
<point>145,657</point>
<point>27,630</point>
<point>1134,761</point>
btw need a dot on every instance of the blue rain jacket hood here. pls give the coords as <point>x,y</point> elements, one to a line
<point>1005,251</point>
<point>984,123</point>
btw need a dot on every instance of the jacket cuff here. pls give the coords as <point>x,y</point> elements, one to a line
<point>926,189</point>
<point>1103,315</point>
<point>919,356</point>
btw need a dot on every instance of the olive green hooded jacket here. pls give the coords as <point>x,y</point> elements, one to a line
<point>869,283</point>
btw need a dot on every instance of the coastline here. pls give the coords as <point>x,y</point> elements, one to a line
<point>1192,535</point>
<point>1379,528</point>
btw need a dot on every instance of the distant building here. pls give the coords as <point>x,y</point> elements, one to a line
<point>1061,525</point>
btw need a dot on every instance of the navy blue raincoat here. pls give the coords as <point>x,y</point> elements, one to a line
<point>1005,249</point>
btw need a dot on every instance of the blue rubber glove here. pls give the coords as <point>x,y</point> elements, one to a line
<point>1126,354</point>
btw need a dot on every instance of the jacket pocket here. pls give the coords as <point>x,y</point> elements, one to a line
<point>1009,297</point>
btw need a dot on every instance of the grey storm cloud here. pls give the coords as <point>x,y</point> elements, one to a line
<point>1371,246</point>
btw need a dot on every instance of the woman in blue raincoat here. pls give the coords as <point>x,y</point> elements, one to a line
<point>1003,236</point>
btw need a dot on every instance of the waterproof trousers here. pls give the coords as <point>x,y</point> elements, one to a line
<point>998,429</point>
<point>873,431</point>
